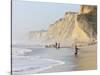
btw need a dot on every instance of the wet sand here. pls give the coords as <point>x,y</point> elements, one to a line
<point>85,60</point>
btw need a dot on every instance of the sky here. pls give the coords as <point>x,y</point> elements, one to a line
<point>33,16</point>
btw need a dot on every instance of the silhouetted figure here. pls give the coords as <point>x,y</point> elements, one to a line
<point>56,44</point>
<point>76,50</point>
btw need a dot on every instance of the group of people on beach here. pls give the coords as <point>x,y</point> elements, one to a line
<point>57,45</point>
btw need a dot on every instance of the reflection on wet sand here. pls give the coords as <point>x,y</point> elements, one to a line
<point>85,60</point>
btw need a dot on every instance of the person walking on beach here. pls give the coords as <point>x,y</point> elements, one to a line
<point>76,50</point>
<point>56,44</point>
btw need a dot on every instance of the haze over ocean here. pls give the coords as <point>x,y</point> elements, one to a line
<point>33,16</point>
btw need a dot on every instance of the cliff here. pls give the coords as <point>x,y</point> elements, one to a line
<point>87,21</point>
<point>80,27</point>
<point>37,35</point>
<point>88,9</point>
<point>62,29</point>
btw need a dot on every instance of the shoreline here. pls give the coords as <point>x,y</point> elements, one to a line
<point>85,60</point>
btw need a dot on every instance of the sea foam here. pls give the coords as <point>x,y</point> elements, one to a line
<point>30,64</point>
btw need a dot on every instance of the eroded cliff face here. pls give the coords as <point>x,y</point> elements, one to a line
<point>62,29</point>
<point>37,35</point>
<point>88,9</point>
<point>87,21</point>
<point>80,27</point>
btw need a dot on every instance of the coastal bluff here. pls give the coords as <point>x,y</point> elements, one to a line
<point>75,27</point>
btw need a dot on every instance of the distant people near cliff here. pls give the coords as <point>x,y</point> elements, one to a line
<point>58,45</point>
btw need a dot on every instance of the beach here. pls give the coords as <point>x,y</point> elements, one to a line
<point>49,60</point>
<point>85,60</point>
<point>45,42</point>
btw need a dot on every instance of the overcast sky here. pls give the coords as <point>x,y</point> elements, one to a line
<point>32,16</point>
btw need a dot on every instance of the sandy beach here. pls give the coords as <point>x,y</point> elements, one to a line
<point>45,42</point>
<point>85,60</point>
<point>49,60</point>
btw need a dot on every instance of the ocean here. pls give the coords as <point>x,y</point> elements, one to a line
<point>30,60</point>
